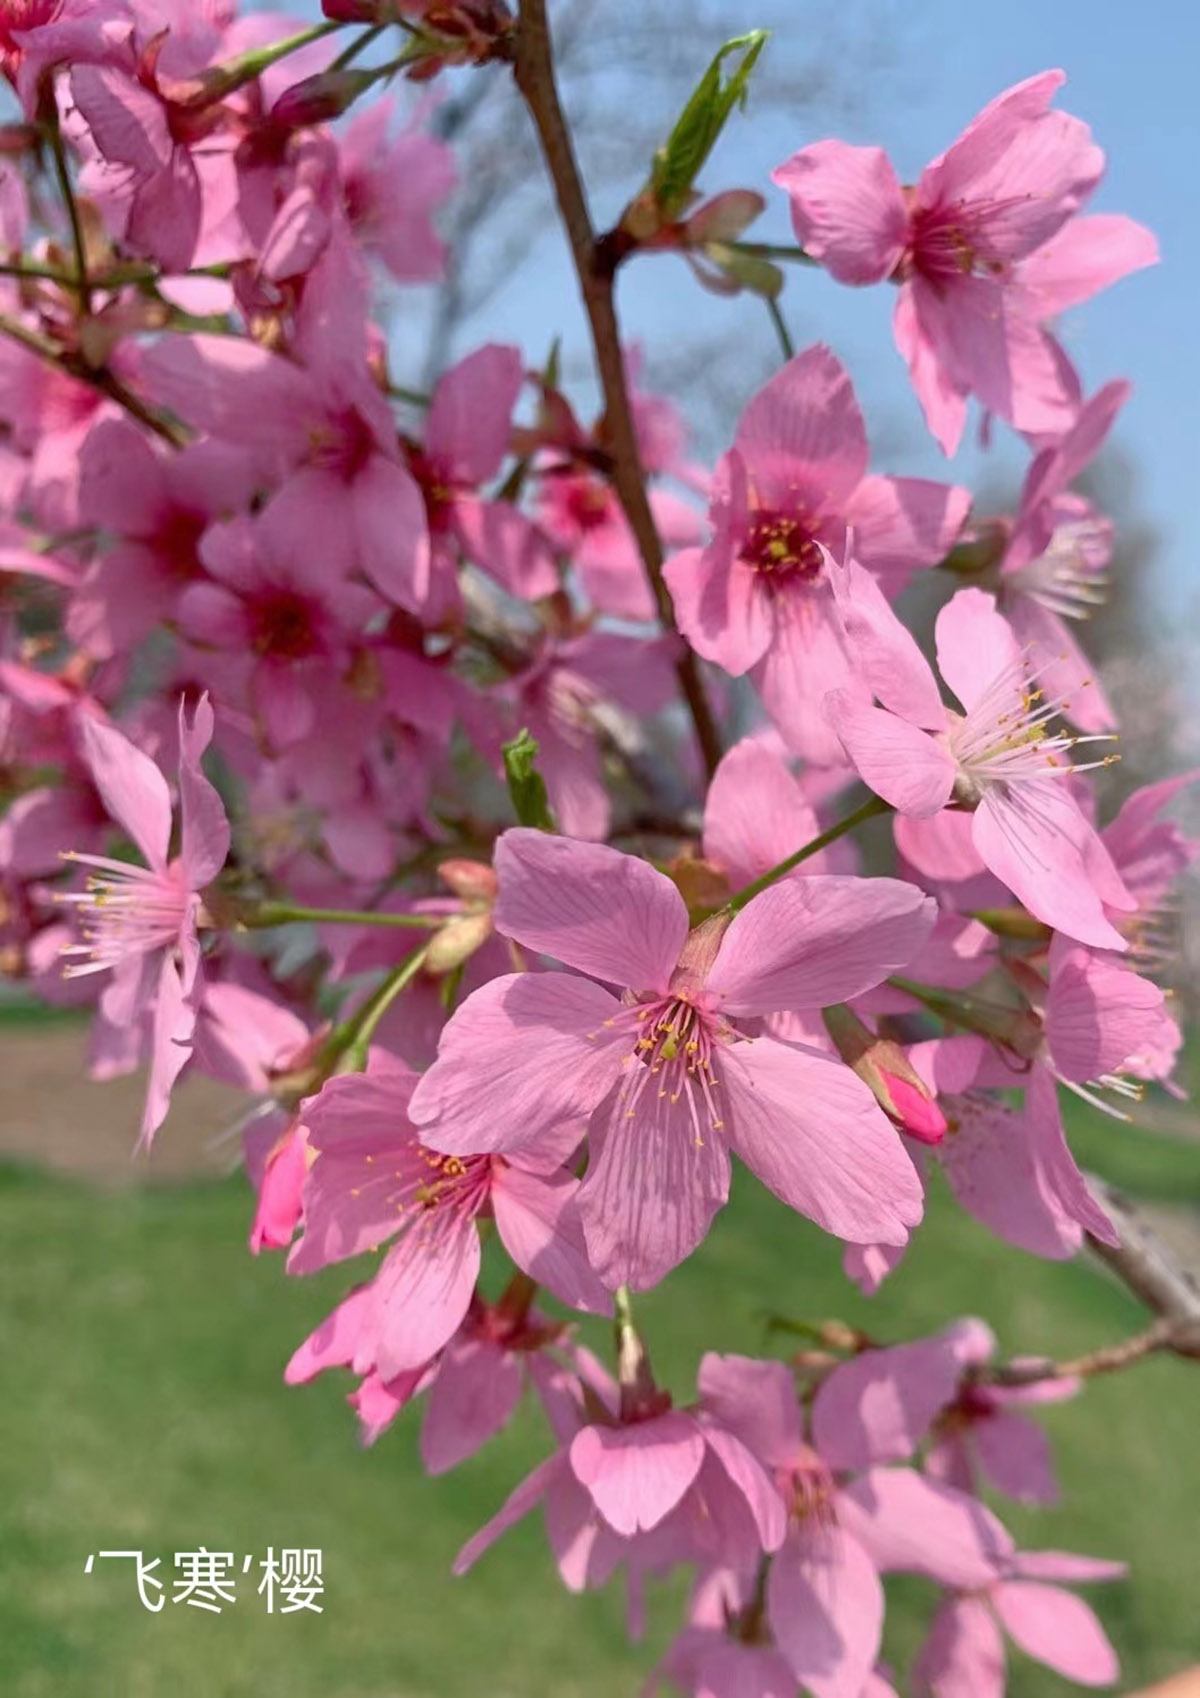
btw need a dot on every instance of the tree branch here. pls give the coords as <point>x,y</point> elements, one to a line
<point>1150,1270</point>
<point>101,378</point>
<point>534,69</point>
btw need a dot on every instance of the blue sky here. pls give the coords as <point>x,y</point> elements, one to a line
<point>932,64</point>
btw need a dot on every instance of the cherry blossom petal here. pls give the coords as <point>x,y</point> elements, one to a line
<point>1014,1456</point>
<point>963,1655</point>
<point>847,208</point>
<point>878,1406</point>
<point>1084,257</point>
<point>811,942</point>
<point>637,1474</point>
<point>899,524</point>
<point>527,1496</point>
<point>750,1478</point>
<point>1033,837</point>
<point>812,1132</point>
<point>388,517</point>
<point>802,435</point>
<point>914,1525</point>
<point>975,645</point>
<point>756,814</point>
<point>651,1189</point>
<point>537,1217</point>
<point>467,429</point>
<point>1058,1629</point>
<point>422,1293</point>
<point>204,828</point>
<point>900,762</point>
<point>523,1054</point>
<point>131,787</point>
<point>756,1400</point>
<point>335,1343</point>
<point>825,1605</point>
<point>474,1393</point>
<point>589,906</point>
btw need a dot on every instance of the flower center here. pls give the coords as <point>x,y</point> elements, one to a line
<point>1062,579</point>
<point>782,547</point>
<point>123,910</point>
<point>675,1044</point>
<point>343,445</point>
<point>283,625</point>
<point>587,502</point>
<point>1006,737</point>
<point>807,1488</point>
<point>456,1182</point>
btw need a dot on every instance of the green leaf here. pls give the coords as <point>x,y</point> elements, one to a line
<point>748,271</point>
<point>680,160</point>
<point>526,785</point>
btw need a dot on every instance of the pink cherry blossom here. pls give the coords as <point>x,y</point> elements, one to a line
<point>643,1483</point>
<point>824,1599</point>
<point>1052,569</point>
<point>466,441</point>
<point>348,503</point>
<point>670,1080</point>
<point>392,188</point>
<point>372,1179</point>
<point>1010,1167</point>
<point>159,507</point>
<point>758,811</point>
<point>985,248</point>
<point>999,756</point>
<point>278,622</point>
<point>964,1652</point>
<point>787,496</point>
<point>140,922</point>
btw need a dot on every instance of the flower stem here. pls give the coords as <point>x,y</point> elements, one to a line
<point>285,913</point>
<point>362,1026</point>
<point>226,79</point>
<point>771,250</point>
<point>100,379</point>
<point>871,807</point>
<point>359,45</point>
<point>781,329</point>
<point>66,188</point>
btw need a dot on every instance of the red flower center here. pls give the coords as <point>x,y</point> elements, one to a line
<point>284,626</point>
<point>782,546</point>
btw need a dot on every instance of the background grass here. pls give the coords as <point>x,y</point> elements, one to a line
<point>143,1350</point>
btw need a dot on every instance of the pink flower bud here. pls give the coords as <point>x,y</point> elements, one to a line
<point>320,98</point>
<point>883,1065</point>
<point>916,1111</point>
<point>471,880</point>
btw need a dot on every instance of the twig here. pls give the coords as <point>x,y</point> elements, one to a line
<point>1106,1360</point>
<point>100,379</point>
<point>781,329</point>
<point>1144,1264</point>
<point>63,174</point>
<point>1147,1268</point>
<point>534,69</point>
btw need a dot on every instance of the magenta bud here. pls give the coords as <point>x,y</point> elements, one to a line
<point>320,98</point>
<point>916,1112</point>
<point>354,11</point>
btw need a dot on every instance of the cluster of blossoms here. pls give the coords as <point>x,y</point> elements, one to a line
<point>274,632</point>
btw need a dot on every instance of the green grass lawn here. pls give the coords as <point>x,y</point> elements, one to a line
<point>144,1408</point>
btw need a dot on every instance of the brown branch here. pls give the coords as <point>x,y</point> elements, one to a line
<point>1161,1335</point>
<point>1143,1263</point>
<point>96,378</point>
<point>1148,1269</point>
<point>534,70</point>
